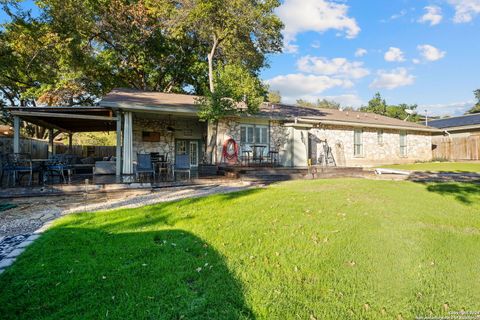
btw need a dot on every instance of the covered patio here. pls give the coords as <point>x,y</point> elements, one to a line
<point>161,137</point>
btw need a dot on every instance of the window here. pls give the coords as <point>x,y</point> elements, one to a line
<point>403,143</point>
<point>380,137</point>
<point>250,134</point>
<point>246,134</point>
<point>358,143</point>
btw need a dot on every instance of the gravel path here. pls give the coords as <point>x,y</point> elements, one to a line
<point>22,225</point>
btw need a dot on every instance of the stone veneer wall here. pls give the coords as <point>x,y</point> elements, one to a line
<point>340,139</point>
<point>167,139</point>
<point>166,145</point>
<point>230,128</point>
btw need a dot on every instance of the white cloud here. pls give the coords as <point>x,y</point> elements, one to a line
<point>416,61</point>
<point>338,67</point>
<point>315,15</point>
<point>315,44</point>
<point>392,79</point>
<point>298,85</point>
<point>448,109</point>
<point>399,15</point>
<point>465,10</point>
<point>360,52</point>
<point>433,15</point>
<point>394,55</point>
<point>430,53</point>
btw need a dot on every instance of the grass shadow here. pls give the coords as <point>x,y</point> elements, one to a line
<point>92,273</point>
<point>466,193</point>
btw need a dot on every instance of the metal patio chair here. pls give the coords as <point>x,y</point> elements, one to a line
<point>182,164</point>
<point>144,165</point>
<point>22,165</point>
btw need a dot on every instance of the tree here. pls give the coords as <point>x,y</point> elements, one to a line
<point>274,97</point>
<point>324,104</point>
<point>238,32</point>
<point>476,107</point>
<point>376,105</point>
<point>236,91</point>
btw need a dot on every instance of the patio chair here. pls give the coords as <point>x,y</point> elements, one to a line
<point>58,164</point>
<point>23,165</point>
<point>144,165</point>
<point>182,164</point>
<point>7,168</point>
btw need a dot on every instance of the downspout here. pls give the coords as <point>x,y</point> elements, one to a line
<point>448,133</point>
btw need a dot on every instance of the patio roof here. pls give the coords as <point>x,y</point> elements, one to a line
<point>68,119</point>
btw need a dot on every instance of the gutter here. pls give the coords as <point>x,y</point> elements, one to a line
<point>368,125</point>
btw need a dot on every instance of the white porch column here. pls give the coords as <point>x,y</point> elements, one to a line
<point>128,143</point>
<point>16,134</point>
<point>118,155</point>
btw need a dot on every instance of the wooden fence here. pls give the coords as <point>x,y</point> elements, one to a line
<point>39,148</point>
<point>87,151</point>
<point>464,148</point>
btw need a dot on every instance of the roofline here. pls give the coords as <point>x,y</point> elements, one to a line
<point>57,108</point>
<point>137,107</point>
<point>461,128</point>
<point>448,118</point>
<point>368,125</point>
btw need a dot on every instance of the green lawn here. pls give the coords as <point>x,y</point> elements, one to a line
<point>325,249</point>
<point>439,166</point>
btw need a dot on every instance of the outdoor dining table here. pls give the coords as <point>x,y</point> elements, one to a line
<point>164,165</point>
<point>258,152</point>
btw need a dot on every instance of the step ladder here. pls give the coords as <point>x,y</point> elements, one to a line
<point>326,158</point>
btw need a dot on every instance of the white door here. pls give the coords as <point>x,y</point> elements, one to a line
<point>194,153</point>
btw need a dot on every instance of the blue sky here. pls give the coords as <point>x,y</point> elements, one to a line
<point>423,52</point>
<point>411,51</point>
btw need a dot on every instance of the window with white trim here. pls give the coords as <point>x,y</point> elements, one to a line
<point>380,137</point>
<point>403,143</point>
<point>250,134</point>
<point>358,143</point>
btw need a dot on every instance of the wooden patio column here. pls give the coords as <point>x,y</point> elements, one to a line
<point>51,144</point>
<point>16,134</point>
<point>70,138</point>
<point>118,164</point>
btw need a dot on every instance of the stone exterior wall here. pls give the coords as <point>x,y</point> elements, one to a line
<point>290,142</point>
<point>188,129</point>
<point>341,140</point>
<point>230,128</point>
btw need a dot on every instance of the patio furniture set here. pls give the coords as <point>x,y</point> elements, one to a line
<point>256,156</point>
<point>16,166</point>
<point>153,164</point>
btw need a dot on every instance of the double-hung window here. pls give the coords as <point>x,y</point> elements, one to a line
<point>247,134</point>
<point>253,134</point>
<point>403,143</point>
<point>380,137</point>
<point>358,143</point>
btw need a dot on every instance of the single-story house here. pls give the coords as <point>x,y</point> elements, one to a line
<point>462,126</point>
<point>169,124</point>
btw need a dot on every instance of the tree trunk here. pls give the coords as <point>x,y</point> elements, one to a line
<point>210,57</point>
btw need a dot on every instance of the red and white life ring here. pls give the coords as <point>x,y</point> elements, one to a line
<point>230,151</point>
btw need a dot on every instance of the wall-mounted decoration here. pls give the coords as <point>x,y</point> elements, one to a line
<point>150,136</point>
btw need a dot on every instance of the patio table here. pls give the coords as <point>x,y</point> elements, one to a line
<point>258,155</point>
